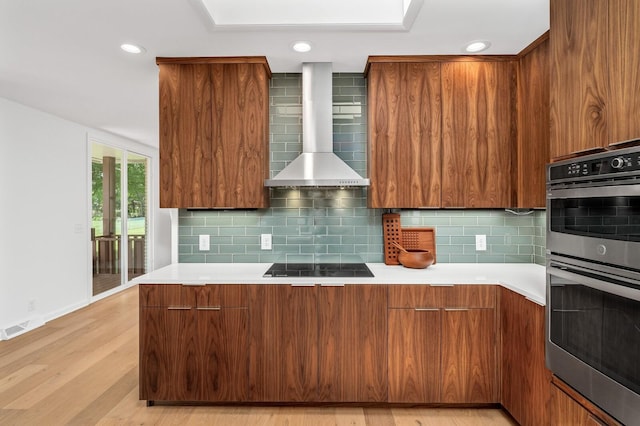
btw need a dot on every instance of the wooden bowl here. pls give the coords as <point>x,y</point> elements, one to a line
<point>415,258</point>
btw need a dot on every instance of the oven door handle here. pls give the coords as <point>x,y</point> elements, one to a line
<point>596,191</point>
<point>592,279</point>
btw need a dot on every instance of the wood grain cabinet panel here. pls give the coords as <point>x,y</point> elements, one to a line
<point>283,346</point>
<point>404,134</point>
<point>414,355</point>
<point>594,75</point>
<point>193,347</point>
<point>478,133</point>
<point>623,63</point>
<point>578,43</point>
<point>469,364</point>
<point>443,344</point>
<point>186,135</point>
<point>214,132</point>
<point>525,378</point>
<point>168,354</point>
<point>353,343</point>
<point>533,125</point>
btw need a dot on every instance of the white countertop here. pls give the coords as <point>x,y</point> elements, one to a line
<point>525,278</point>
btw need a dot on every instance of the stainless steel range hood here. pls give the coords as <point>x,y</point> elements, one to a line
<point>317,165</point>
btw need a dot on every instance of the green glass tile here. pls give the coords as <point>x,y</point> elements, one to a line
<point>491,220</point>
<point>192,258</point>
<point>504,230</point>
<point>504,249</point>
<point>490,258</point>
<point>464,220</point>
<point>228,230</point>
<point>341,248</point>
<point>525,249</point>
<point>246,240</point>
<point>219,258</point>
<point>461,258</point>
<point>246,258</point>
<point>464,240</point>
<point>519,221</point>
<point>449,231</point>
<point>191,221</point>
<point>327,239</point>
<point>475,230</point>
<point>221,240</point>
<point>518,258</point>
<point>458,249</point>
<point>188,240</point>
<point>299,258</point>
<point>526,230</point>
<point>226,220</point>
<point>300,239</point>
<point>225,249</point>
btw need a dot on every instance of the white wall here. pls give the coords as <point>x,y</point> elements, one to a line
<point>44,219</point>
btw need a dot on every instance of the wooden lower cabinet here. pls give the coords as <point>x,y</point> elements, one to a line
<point>283,345</point>
<point>352,343</point>
<point>414,355</point>
<point>193,343</point>
<point>575,410</point>
<point>525,377</point>
<point>318,344</point>
<point>442,344</point>
<point>469,364</point>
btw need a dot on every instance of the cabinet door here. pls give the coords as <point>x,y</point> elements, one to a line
<point>283,343</point>
<point>579,66</point>
<point>478,133</point>
<point>414,355</point>
<point>353,343</point>
<point>240,135</point>
<point>223,353</point>
<point>566,411</point>
<point>623,70</point>
<point>186,137</point>
<point>404,135</point>
<point>169,369</point>
<point>525,378</point>
<point>533,127</point>
<point>469,356</point>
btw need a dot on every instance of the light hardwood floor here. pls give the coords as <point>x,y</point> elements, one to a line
<point>82,369</point>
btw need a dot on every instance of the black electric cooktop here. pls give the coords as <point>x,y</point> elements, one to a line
<point>318,270</point>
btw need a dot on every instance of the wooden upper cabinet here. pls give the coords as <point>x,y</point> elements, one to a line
<point>404,134</point>
<point>623,119</point>
<point>533,124</point>
<point>595,74</point>
<point>478,133</point>
<point>578,41</point>
<point>186,140</point>
<point>214,132</point>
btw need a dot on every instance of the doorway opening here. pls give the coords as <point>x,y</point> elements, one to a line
<point>119,216</point>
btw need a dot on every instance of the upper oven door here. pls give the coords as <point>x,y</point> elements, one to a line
<point>600,223</point>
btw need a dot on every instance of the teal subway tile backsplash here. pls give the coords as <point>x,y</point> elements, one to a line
<point>335,225</point>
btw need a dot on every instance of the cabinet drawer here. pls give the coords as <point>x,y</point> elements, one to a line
<point>155,295</point>
<point>453,296</point>
<point>222,295</point>
<point>416,296</point>
<point>470,296</point>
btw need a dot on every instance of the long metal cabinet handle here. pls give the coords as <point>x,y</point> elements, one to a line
<point>425,309</point>
<point>456,309</point>
<point>209,308</point>
<point>179,308</point>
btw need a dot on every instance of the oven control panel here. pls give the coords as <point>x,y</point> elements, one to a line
<point>598,165</point>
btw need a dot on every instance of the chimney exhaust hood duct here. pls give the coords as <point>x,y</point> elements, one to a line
<point>317,165</point>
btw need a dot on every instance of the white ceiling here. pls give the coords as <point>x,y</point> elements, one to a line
<point>63,56</point>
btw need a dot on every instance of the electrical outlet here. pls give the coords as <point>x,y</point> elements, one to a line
<point>204,242</point>
<point>481,242</point>
<point>265,241</point>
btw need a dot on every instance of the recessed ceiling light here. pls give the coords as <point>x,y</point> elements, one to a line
<point>477,46</point>
<point>132,48</point>
<point>301,46</point>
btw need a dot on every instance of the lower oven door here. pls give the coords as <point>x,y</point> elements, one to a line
<point>600,223</point>
<point>593,336</point>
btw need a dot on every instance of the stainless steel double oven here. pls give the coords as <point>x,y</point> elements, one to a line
<point>593,278</point>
